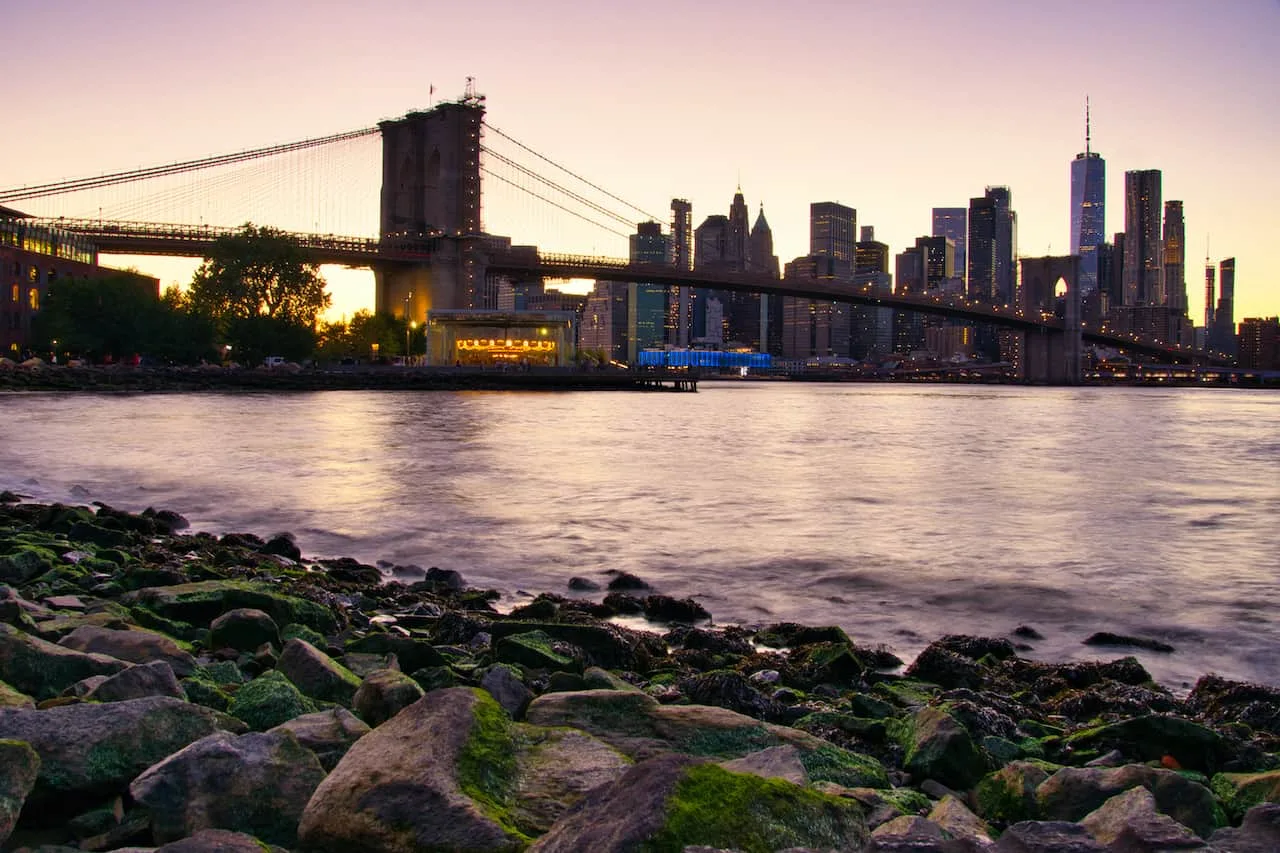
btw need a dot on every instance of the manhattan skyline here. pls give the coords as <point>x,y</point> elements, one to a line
<point>686,102</point>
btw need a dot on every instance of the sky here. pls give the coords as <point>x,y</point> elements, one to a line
<point>892,107</point>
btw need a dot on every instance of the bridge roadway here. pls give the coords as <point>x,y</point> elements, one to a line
<point>150,238</point>
<point>610,269</point>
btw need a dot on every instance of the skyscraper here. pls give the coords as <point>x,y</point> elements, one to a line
<point>763,261</point>
<point>1208,294</point>
<point>681,303</point>
<point>1224,316</point>
<point>1142,255</point>
<point>1006,245</point>
<point>1175,258</point>
<point>647,303</point>
<point>1088,209</point>
<point>982,249</point>
<point>832,230</point>
<point>953,223</point>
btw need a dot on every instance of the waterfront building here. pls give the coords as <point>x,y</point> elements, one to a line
<point>32,258</point>
<point>1258,343</point>
<point>495,338</point>
<point>910,277</point>
<point>812,327</point>
<point>1088,210</point>
<point>953,223</point>
<point>1175,251</point>
<point>1142,256</point>
<point>647,303</point>
<point>604,320</point>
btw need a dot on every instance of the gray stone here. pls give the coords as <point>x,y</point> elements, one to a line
<point>144,679</point>
<point>91,752</point>
<point>939,747</point>
<point>1129,821</point>
<point>19,766</point>
<point>1047,837</point>
<point>329,734</point>
<point>1258,833</point>
<point>10,698</point>
<point>910,826</point>
<point>958,821</point>
<point>134,645</point>
<point>504,684</point>
<point>213,841</point>
<point>316,674</point>
<point>556,769</point>
<point>243,629</point>
<point>399,786</point>
<point>778,762</point>
<point>383,694</point>
<point>255,783</point>
<point>43,670</point>
<point>1073,792</point>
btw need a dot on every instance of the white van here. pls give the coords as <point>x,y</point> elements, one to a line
<point>274,361</point>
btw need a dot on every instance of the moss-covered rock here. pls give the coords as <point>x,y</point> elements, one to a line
<point>939,747</point>
<point>1152,737</point>
<point>383,694</point>
<point>135,645</point>
<point>1072,792</point>
<point>413,654</point>
<point>674,802</point>
<point>294,631</point>
<point>90,752</point>
<point>201,602</point>
<point>1240,792</point>
<point>606,646</point>
<point>316,674</point>
<point>1008,795</point>
<point>851,769</point>
<point>43,670</point>
<point>19,767</point>
<point>268,701</point>
<point>536,650</point>
<point>244,629</point>
<point>10,698</point>
<point>25,563</point>
<point>329,734</point>
<point>438,776</point>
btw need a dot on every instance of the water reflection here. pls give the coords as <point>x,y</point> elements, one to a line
<point>899,512</point>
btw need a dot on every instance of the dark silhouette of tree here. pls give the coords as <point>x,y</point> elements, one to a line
<point>259,272</point>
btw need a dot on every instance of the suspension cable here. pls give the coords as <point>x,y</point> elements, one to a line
<point>76,184</point>
<point>519,167</point>
<point>541,197</point>
<point>569,172</point>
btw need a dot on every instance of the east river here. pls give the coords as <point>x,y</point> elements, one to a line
<point>901,513</point>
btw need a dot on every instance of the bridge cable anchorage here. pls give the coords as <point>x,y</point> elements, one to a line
<point>541,197</point>
<point>571,173</point>
<point>77,184</point>
<point>560,188</point>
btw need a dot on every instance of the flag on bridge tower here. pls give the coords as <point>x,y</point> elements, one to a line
<point>431,95</point>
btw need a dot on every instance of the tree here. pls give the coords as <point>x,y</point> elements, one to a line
<point>258,272</point>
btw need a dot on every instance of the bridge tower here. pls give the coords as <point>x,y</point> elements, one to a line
<point>431,189</point>
<point>1051,356</point>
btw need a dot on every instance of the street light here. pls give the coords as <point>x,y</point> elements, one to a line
<point>408,330</point>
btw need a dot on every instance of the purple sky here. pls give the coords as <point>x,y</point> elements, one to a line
<point>890,107</point>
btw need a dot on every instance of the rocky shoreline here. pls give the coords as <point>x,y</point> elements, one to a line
<point>162,689</point>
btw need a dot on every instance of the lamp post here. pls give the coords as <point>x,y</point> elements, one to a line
<point>407,325</point>
<point>408,332</point>
<point>55,350</point>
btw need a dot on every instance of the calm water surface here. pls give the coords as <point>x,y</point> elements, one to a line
<point>900,513</point>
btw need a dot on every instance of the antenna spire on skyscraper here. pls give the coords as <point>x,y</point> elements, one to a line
<point>1087,128</point>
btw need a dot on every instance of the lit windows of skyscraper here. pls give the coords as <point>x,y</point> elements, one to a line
<point>832,230</point>
<point>647,303</point>
<point>1142,255</point>
<point>1224,316</point>
<point>1175,257</point>
<point>1088,210</point>
<point>953,223</point>
<point>982,249</point>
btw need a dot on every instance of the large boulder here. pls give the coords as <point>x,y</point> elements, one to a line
<point>254,783</point>
<point>201,602</point>
<point>383,694</point>
<point>144,679</point>
<point>243,629</point>
<point>316,674</point>
<point>413,654</point>
<point>329,734</point>
<point>43,670</point>
<point>938,747</point>
<point>10,698</point>
<point>439,776</point>
<point>1153,737</point>
<point>674,802</point>
<point>212,841</point>
<point>555,769</point>
<point>135,645</point>
<point>1073,792</point>
<point>1259,832</point>
<point>1009,794</point>
<point>1129,821</point>
<point>91,752</point>
<point>19,766</point>
<point>1053,836</point>
<point>636,725</point>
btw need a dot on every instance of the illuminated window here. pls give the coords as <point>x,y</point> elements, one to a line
<point>16,294</point>
<point>33,274</point>
<point>33,299</point>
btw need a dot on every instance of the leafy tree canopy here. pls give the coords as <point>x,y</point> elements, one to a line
<point>258,272</point>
